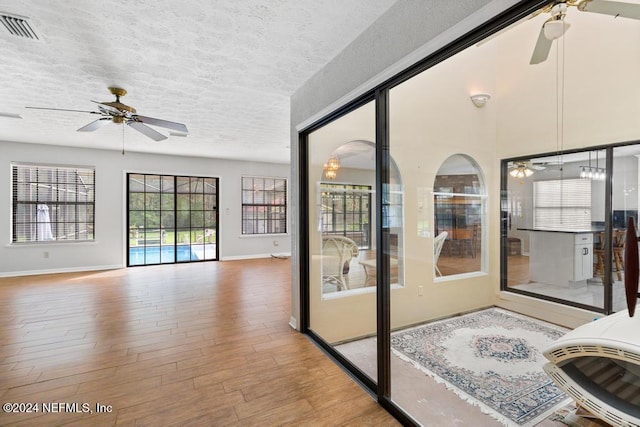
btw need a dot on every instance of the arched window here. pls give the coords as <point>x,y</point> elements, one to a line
<point>347,217</point>
<point>459,197</point>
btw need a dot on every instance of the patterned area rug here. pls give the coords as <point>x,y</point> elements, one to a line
<point>491,358</point>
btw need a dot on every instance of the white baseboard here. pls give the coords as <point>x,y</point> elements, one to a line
<point>255,256</point>
<point>293,322</point>
<point>59,270</point>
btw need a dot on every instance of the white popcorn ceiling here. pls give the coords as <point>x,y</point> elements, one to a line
<point>224,68</point>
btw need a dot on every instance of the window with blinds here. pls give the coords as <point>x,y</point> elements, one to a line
<point>562,204</point>
<point>52,203</point>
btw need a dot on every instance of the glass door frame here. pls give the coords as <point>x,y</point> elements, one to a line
<point>382,388</point>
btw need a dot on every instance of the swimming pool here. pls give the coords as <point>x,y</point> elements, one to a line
<point>141,255</point>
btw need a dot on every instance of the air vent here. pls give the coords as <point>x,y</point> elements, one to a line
<point>18,25</point>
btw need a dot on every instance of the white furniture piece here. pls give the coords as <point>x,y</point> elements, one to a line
<point>337,252</point>
<point>598,365</point>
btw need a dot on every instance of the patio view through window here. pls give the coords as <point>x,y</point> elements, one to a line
<point>52,203</point>
<point>264,205</point>
<point>171,219</point>
<point>346,211</point>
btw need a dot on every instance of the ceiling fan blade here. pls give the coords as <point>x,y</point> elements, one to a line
<point>613,8</point>
<point>63,109</point>
<point>542,49</point>
<point>94,125</point>
<point>162,123</point>
<point>146,130</point>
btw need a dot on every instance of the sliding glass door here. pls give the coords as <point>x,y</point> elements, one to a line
<point>171,219</point>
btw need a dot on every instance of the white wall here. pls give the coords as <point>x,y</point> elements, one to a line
<point>108,250</point>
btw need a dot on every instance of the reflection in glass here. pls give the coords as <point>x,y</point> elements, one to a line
<point>342,247</point>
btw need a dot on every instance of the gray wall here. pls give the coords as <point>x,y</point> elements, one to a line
<point>408,32</point>
<point>108,250</point>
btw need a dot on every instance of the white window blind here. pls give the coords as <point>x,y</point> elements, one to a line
<point>52,202</point>
<point>562,204</point>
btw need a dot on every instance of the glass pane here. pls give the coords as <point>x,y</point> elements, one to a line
<point>152,221</point>
<point>168,185</point>
<point>168,201</point>
<point>436,214</point>
<point>555,220</point>
<point>183,202</point>
<point>152,184</point>
<point>210,202</point>
<point>197,219</point>
<point>183,184</point>
<point>183,219</point>
<point>342,274</point>
<point>210,186</point>
<point>625,203</point>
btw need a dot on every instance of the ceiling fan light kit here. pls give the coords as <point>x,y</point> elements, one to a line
<point>120,113</point>
<point>555,29</point>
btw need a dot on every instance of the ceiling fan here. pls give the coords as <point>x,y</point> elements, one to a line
<point>525,169</point>
<point>118,112</point>
<point>556,26</point>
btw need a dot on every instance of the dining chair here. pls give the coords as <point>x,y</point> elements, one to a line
<point>437,248</point>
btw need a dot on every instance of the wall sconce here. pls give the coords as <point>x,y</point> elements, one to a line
<point>331,167</point>
<point>480,99</point>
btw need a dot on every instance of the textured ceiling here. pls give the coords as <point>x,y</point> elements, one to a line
<point>224,68</point>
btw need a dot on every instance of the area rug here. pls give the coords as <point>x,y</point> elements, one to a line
<point>490,358</point>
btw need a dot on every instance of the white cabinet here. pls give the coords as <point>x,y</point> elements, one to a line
<point>560,257</point>
<point>583,257</point>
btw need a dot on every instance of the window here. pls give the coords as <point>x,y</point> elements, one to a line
<point>52,203</point>
<point>459,209</point>
<point>346,211</point>
<point>264,205</point>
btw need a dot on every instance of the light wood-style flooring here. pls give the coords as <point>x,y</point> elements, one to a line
<point>194,344</point>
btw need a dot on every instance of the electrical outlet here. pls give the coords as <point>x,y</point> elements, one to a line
<point>420,290</point>
<point>46,254</point>
<point>276,243</point>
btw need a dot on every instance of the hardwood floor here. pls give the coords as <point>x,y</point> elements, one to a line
<point>193,344</point>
